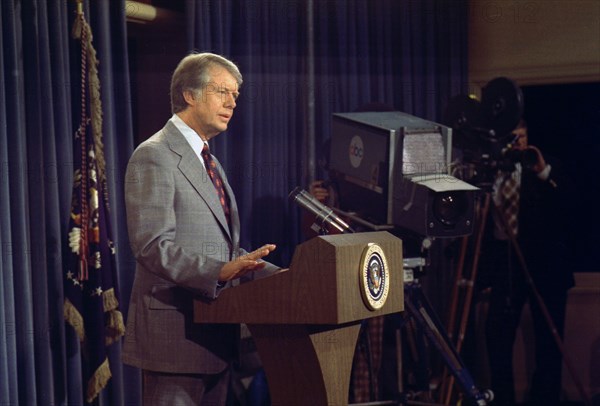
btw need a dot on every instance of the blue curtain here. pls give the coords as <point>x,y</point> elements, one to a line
<point>408,55</point>
<point>40,358</point>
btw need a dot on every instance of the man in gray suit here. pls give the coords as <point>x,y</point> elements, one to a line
<point>184,230</point>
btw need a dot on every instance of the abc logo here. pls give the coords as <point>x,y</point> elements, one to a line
<point>355,151</point>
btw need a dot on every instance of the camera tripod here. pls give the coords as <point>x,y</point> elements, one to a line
<point>419,310</point>
<point>464,284</point>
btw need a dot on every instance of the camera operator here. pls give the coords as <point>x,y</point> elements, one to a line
<point>540,221</point>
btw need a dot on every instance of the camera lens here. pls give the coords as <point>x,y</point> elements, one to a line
<point>450,207</point>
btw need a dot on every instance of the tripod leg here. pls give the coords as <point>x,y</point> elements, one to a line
<point>411,362</point>
<point>420,309</point>
<point>418,378</point>
<point>456,287</point>
<point>448,382</point>
<point>399,361</point>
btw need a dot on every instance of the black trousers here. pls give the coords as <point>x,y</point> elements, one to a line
<point>509,293</point>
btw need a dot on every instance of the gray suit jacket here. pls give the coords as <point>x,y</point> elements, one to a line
<point>181,240</point>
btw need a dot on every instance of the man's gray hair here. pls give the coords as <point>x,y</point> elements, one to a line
<point>193,74</point>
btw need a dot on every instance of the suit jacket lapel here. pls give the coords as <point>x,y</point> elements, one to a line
<point>191,167</point>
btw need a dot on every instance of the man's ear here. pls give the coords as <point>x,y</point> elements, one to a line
<point>189,97</point>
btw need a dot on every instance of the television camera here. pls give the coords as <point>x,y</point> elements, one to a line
<point>391,169</point>
<point>483,141</point>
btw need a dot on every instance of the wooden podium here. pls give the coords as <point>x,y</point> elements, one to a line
<point>305,321</point>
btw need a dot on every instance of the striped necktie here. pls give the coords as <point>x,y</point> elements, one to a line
<point>510,202</point>
<point>211,168</point>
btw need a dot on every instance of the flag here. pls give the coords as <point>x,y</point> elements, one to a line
<point>91,290</point>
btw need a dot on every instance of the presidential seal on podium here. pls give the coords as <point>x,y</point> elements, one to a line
<point>374,277</point>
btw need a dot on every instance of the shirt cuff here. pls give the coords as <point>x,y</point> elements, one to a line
<point>545,173</point>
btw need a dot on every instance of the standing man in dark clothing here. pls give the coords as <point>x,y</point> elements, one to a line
<point>537,212</point>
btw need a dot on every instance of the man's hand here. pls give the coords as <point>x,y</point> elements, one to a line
<point>318,191</point>
<point>540,162</point>
<point>246,263</point>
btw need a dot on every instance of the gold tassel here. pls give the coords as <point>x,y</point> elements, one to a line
<point>77,24</point>
<point>76,30</point>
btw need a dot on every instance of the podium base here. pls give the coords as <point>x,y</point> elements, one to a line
<point>307,364</point>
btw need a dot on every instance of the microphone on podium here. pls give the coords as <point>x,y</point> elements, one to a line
<point>324,214</point>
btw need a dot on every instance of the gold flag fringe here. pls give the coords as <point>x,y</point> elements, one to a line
<point>98,381</point>
<point>73,317</point>
<point>115,327</point>
<point>109,300</point>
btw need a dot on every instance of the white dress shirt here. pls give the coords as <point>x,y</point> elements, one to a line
<point>191,136</point>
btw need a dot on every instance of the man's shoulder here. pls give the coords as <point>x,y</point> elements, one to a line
<point>160,139</point>
<point>154,146</point>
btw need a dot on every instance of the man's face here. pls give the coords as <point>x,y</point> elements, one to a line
<point>520,140</point>
<point>211,110</point>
